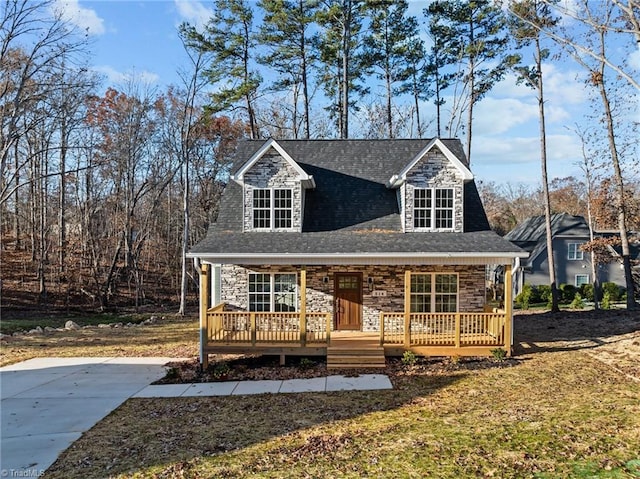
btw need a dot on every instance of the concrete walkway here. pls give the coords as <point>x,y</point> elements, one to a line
<point>47,403</point>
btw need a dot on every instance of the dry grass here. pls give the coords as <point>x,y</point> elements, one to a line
<point>561,414</point>
<point>172,337</point>
<point>559,411</point>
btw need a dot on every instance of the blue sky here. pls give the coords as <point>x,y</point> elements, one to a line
<point>139,37</point>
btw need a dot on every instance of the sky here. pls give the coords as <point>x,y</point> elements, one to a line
<point>139,38</point>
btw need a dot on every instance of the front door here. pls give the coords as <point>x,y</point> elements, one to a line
<point>348,301</point>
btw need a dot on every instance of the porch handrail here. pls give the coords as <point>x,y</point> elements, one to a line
<point>457,329</point>
<point>257,327</point>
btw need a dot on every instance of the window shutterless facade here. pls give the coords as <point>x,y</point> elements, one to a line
<point>434,293</point>
<point>433,208</point>
<point>575,253</point>
<point>272,208</point>
<point>273,292</point>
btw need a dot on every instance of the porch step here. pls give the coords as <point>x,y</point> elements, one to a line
<point>343,358</point>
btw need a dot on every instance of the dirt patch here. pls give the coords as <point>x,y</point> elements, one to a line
<point>612,336</point>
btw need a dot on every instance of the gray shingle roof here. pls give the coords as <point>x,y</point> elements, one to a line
<point>350,210</point>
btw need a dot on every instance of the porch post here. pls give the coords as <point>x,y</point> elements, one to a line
<point>407,309</point>
<point>303,306</point>
<point>508,308</point>
<point>204,323</point>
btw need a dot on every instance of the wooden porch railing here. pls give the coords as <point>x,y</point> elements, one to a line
<point>244,327</point>
<point>443,329</point>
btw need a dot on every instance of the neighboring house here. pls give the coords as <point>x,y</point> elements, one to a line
<point>573,266</point>
<point>352,249</point>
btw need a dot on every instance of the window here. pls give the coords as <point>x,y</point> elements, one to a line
<point>581,279</point>
<point>272,292</point>
<point>434,292</point>
<point>444,208</point>
<point>422,208</point>
<point>283,208</point>
<point>575,253</point>
<point>272,208</point>
<point>433,208</point>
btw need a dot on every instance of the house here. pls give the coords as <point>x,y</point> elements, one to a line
<point>573,266</point>
<point>353,249</point>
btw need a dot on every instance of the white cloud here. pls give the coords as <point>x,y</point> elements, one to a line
<point>517,159</point>
<point>563,86</point>
<point>115,77</point>
<point>84,18</point>
<point>494,116</point>
<point>194,12</point>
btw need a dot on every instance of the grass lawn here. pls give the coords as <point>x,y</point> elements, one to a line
<point>171,337</point>
<point>553,415</point>
<point>568,407</point>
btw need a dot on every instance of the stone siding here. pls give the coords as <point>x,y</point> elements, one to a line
<point>434,171</point>
<point>471,286</point>
<point>272,171</point>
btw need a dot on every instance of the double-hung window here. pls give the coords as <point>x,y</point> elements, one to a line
<point>272,208</point>
<point>575,253</point>
<point>434,292</point>
<point>272,292</point>
<point>433,208</point>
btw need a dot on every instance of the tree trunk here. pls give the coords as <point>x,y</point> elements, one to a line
<point>545,182</point>
<point>598,78</point>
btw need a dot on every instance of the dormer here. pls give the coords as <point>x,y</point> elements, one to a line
<point>431,190</point>
<point>273,185</point>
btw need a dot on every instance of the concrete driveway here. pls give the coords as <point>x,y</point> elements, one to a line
<point>47,403</point>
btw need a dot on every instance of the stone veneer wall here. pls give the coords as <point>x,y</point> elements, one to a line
<point>272,171</point>
<point>471,282</point>
<point>434,171</point>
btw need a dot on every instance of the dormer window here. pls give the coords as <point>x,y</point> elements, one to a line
<point>272,208</point>
<point>433,208</point>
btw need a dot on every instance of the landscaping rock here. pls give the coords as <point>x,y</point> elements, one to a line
<point>71,325</point>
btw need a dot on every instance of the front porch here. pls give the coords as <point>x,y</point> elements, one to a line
<point>312,333</point>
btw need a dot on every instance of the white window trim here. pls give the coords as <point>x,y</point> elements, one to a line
<point>433,209</point>
<point>272,282</point>
<point>272,209</point>
<point>575,280</point>
<point>433,275</point>
<point>578,254</point>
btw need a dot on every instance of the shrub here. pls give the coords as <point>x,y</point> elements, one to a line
<point>409,358</point>
<point>523,300</point>
<point>587,291</point>
<point>544,291</point>
<point>578,302</point>
<point>498,354</point>
<point>306,363</point>
<point>615,292</point>
<point>567,293</point>
<point>606,301</point>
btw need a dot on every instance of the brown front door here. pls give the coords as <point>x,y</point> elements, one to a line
<point>348,301</point>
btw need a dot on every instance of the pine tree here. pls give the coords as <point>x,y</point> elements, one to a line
<point>476,38</point>
<point>230,38</point>
<point>286,33</point>
<point>387,47</point>
<point>341,24</point>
